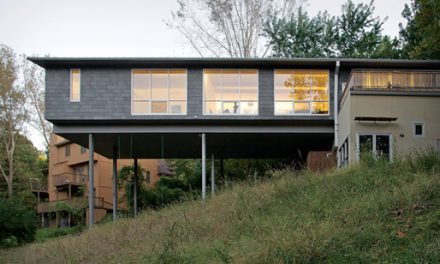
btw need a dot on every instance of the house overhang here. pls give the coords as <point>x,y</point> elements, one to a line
<point>185,141</point>
<point>60,62</point>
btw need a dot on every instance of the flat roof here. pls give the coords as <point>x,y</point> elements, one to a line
<point>55,62</point>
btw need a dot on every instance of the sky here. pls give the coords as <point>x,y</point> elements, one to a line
<point>123,28</point>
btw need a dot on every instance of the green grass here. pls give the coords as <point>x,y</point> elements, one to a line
<point>371,212</point>
<point>45,234</point>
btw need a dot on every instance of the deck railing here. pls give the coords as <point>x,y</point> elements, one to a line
<point>38,185</point>
<point>393,79</point>
<point>74,202</point>
<point>69,178</point>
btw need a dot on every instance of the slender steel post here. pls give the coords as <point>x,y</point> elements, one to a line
<point>135,178</point>
<point>91,183</point>
<point>115,183</point>
<point>212,175</point>
<point>203,165</point>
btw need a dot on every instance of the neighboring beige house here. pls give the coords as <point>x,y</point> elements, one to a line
<point>388,112</point>
<point>68,183</point>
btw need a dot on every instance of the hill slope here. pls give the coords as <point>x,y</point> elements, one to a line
<point>373,212</point>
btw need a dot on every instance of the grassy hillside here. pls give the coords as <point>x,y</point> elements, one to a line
<point>374,212</point>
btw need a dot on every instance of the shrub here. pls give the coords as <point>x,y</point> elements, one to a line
<point>17,223</point>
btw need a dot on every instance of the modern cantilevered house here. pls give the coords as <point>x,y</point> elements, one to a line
<point>241,108</point>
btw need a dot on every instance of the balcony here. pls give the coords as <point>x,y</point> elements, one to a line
<point>393,80</point>
<point>74,202</point>
<point>69,178</point>
<point>38,185</point>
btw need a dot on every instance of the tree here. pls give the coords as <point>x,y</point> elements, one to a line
<point>356,33</point>
<point>33,78</point>
<point>421,36</point>
<point>302,36</point>
<point>12,111</point>
<point>17,222</point>
<point>359,33</point>
<point>228,27</point>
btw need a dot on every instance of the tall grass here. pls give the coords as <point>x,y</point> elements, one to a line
<point>370,212</point>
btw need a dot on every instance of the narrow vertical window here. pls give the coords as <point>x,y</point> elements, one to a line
<point>75,85</point>
<point>67,150</point>
<point>419,130</point>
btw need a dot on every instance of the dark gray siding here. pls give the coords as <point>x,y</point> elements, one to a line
<point>106,94</point>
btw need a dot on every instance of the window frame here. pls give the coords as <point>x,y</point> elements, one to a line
<point>344,154</point>
<point>161,100</point>
<point>414,129</point>
<point>374,147</point>
<point>302,101</point>
<point>67,150</point>
<point>239,92</point>
<point>71,85</point>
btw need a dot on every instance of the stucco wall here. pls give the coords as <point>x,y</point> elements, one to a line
<point>407,109</point>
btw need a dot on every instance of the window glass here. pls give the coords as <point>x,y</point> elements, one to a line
<point>284,108</point>
<point>141,107</point>
<point>306,90</point>
<point>365,144</point>
<point>418,129</point>
<point>75,85</point>
<point>177,107</point>
<point>141,84</point>
<point>231,85</point>
<point>383,146</point>
<point>213,107</point>
<point>177,85</point>
<point>319,107</point>
<point>231,107</point>
<point>230,92</point>
<point>67,150</point>
<point>159,84</point>
<point>249,85</point>
<point>302,108</point>
<point>249,108</point>
<point>159,91</point>
<point>213,84</point>
<point>158,107</point>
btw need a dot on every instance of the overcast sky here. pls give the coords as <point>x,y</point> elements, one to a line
<point>131,28</point>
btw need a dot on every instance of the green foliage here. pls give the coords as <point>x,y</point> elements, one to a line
<point>356,33</point>
<point>44,234</point>
<point>77,213</point>
<point>421,35</point>
<point>17,222</point>
<point>302,36</point>
<point>26,166</point>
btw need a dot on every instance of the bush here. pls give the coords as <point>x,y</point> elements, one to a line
<point>17,223</point>
<point>44,234</point>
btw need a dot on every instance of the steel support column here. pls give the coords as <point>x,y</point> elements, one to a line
<point>212,174</point>
<point>91,183</point>
<point>135,181</point>
<point>115,183</point>
<point>203,165</point>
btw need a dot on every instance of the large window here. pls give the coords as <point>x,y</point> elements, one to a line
<point>378,145</point>
<point>75,85</point>
<point>230,92</point>
<point>158,91</point>
<point>301,92</point>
